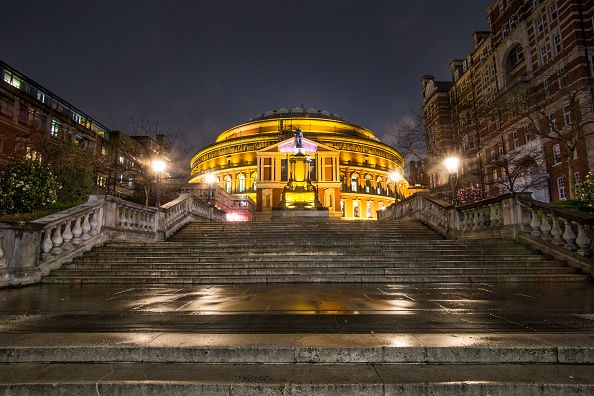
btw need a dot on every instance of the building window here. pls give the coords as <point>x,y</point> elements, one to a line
<point>557,45</point>
<point>553,14</point>
<point>544,54</point>
<point>561,188</point>
<point>576,178</point>
<point>355,208</point>
<point>501,148</point>
<point>367,184</point>
<point>556,154</point>
<point>55,128</point>
<point>342,207</point>
<point>567,115</point>
<point>516,139</point>
<point>228,184</point>
<point>241,183</point>
<point>378,186</point>
<point>552,123</point>
<point>539,25</point>
<point>369,215</point>
<point>267,169</point>
<point>354,184</point>
<point>535,3</point>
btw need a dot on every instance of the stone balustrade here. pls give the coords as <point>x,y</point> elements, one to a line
<point>30,250</point>
<point>560,227</point>
<point>565,234</point>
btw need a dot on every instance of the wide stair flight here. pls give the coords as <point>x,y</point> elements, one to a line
<point>331,251</point>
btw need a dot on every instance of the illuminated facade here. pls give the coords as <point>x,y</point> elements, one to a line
<point>355,174</point>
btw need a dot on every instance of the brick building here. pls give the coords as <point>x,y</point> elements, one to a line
<point>544,48</point>
<point>31,115</point>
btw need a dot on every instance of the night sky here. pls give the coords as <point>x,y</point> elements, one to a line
<point>201,67</point>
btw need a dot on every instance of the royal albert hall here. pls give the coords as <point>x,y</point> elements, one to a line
<point>355,174</point>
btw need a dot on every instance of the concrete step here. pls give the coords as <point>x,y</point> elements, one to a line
<point>329,264</point>
<point>294,379</point>
<point>95,278</point>
<point>356,271</point>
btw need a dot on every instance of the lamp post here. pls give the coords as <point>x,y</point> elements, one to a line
<point>396,177</point>
<point>452,163</point>
<point>158,166</point>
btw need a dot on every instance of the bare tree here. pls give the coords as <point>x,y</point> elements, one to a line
<point>557,107</point>
<point>408,136</point>
<point>521,169</point>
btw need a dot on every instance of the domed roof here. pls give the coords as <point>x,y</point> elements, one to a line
<point>296,112</point>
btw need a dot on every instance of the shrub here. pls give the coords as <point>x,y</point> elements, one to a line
<point>26,186</point>
<point>585,191</point>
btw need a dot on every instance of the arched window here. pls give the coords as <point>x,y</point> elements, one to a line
<point>227,183</point>
<point>367,184</point>
<point>561,188</point>
<point>354,182</point>
<point>241,183</point>
<point>378,185</point>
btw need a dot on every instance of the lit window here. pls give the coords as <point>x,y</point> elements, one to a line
<point>121,159</point>
<point>576,178</point>
<point>561,188</point>
<point>355,208</point>
<point>228,183</point>
<point>55,128</point>
<point>354,184</point>
<point>241,183</point>
<point>369,216</point>
<point>342,207</point>
<point>544,54</point>
<point>556,154</point>
<point>367,184</point>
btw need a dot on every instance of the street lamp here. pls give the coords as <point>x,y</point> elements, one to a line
<point>210,178</point>
<point>452,163</point>
<point>158,166</point>
<point>396,177</point>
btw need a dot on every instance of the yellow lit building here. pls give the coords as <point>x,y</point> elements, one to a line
<point>355,174</point>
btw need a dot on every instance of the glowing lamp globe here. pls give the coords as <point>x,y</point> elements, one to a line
<point>158,165</point>
<point>451,164</point>
<point>395,176</point>
<point>210,178</point>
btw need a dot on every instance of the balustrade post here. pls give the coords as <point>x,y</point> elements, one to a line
<point>57,240</point>
<point>569,236</point>
<point>76,231</point>
<point>545,228</point>
<point>94,223</point>
<point>67,235</point>
<point>535,224</point>
<point>583,243</point>
<point>556,233</point>
<point>86,227</point>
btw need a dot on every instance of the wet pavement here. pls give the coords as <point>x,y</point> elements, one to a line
<point>303,308</point>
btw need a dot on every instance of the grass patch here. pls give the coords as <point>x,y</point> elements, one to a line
<point>54,208</point>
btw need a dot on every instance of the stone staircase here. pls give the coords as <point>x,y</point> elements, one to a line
<point>265,252</point>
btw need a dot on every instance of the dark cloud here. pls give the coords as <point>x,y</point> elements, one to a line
<point>200,67</point>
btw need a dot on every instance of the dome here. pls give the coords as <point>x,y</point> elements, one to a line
<point>298,112</point>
